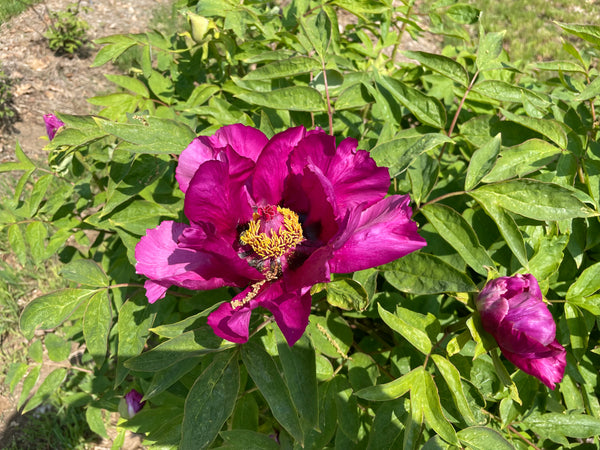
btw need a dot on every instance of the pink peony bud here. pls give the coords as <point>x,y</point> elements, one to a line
<point>53,124</point>
<point>513,311</point>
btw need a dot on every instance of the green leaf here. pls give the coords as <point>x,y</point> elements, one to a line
<point>117,45</point>
<point>458,233</point>
<point>522,159</point>
<point>590,33</point>
<point>28,384</point>
<point>16,371</point>
<point>331,335</point>
<point>442,65</point>
<point>506,92</point>
<point>24,162</point>
<point>150,134</point>
<point>398,154</point>
<point>172,330</point>
<point>48,387</point>
<point>248,440</point>
<point>464,14</point>
<point>347,406</point>
<point>17,243</point>
<point>35,235</point>
<point>556,425</point>
<point>393,389</point>
<point>489,49</point>
<point>483,438</point>
<point>578,330</point>
<point>591,90</point>
<point>138,216</point>
<point>58,348</point>
<point>586,284</point>
<point>355,96</point>
<point>135,318</point>
<point>97,321</point>
<point>552,129</point>
<point>166,378</point>
<point>129,83</point>
<point>452,377</point>
<point>507,227</point>
<point>299,370</point>
<point>191,343</point>
<point>359,7</point>
<point>294,98</point>
<point>37,194</point>
<point>548,257</point>
<point>347,294</point>
<point>417,337</point>
<point>36,351</point>
<point>424,397</point>
<point>421,273</point>
<point>210,402</point>
<point>50,310</point>
<point>428,110</point>
<point>94,419</point>
<point>533,199</point>
<point>423,174</point>
<point>559,66</point>
<point>85,271</point>
<point>318,30</point>
<point>264,373</point>
<point>285,68</point>
<point>482,161</point>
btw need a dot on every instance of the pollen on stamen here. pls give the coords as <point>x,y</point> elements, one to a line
<point>273,244</point>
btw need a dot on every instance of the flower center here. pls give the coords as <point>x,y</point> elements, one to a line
<point>273,232</point>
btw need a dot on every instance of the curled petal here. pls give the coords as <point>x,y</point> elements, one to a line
<point>354,175</point>
<point>291,312</point>
<point>229,323</point>
<point>382,233</point>
<point>197,153</point>
<point>548,366</point>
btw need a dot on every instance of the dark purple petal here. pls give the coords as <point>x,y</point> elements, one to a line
<point>271,167</point>
<point>134,402</point>
<point>548,366</point>
<point>383,233</point>
<point>53,124</point>
<point>213,198</point>
<point>513,310</point>
<point>355,177</point>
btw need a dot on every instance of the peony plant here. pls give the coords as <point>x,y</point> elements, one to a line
<point>274,217</point>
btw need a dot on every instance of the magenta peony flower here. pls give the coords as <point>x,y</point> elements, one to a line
<point>274,217</point>
<point>513,311</point>
<point>131,404</point>
<point>53,124</point>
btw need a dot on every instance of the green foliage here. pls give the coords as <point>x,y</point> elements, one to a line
<point>66,32</point>
<point>504,170</point>
<point>11,8</point>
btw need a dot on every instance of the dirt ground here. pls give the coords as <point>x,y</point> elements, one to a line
<point>43,83</point>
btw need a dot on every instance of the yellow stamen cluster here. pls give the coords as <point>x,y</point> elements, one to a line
<point>274,245</point>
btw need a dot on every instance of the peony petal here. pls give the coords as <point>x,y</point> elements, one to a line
<point>383,233</point>
<point>53,124</point>
<point>160,259</point>
<point>244,140</point>
<point>213,198</point>
<point>290,309</point>
<point>196,153</point>
<point>229,323</point>
<point>492,305</point>
<point>271,167</point>
<point>355,177</point>
<point>548,366</point>
<point>221,260</point>
<point>532,318</point>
